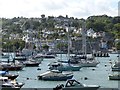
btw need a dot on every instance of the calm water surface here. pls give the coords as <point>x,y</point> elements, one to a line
<point>99,76</point>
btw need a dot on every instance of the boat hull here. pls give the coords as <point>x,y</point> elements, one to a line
<point>44,56</point>
<point>115,68</point>
<point>8,88</point>
<point>55,78</point>
<point>12,77</point>
<point>89,64</point>
<point>20,59</point>
<point>66,68</point>
<point>69,69</point>
<point>16,86</point>
<point>32,65</point>
<point>81,88</point>
<point>114,77</point>
<point>12,68</point>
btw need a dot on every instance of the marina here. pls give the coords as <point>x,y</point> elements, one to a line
<point>98,75</point>
<point>60,53</point>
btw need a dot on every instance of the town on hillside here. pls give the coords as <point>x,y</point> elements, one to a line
<point>51,34</point>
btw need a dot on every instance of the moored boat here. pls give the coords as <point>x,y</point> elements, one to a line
<point>64,66</point>
<point>114,77</point>
<point>55,75</point>
<point>31,63</point>
<point>5,55</point>
<point>39,55</point>
<point>116,66</point>
<point>83,59</point>
<point>89,63</point>
<point>7,74</point>
<point>20,57</point>
<point>11,76</point>
<point>12,66</point>
<point>73,84</point>
<point>6,83</point>
<point>3,73</point>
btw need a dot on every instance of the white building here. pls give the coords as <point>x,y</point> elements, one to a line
<point>90,32</point>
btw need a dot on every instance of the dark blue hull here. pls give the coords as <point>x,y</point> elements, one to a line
<point>67,68</point>
<point>56,78</point>
<point>81,88</point>
<point>115,68</point>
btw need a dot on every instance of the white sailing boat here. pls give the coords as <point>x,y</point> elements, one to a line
<point>85,61</point>
<point>61,65</point>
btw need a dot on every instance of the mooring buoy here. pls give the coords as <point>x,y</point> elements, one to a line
<point>85,78</point>
<point>39,69</point>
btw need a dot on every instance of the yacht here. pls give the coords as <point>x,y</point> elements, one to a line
<point>88,63</point>
<point>20,57</point>
<point>11,76</point>
<point>40,55</point>
<point>55,75</point>
<point>116,66</point>
<point>7,83</point>
<point>114,77</point>
<point>31,63</point>
<point>5,55</point>
<point>72,84</point>
<point>7,74</point>
<point>83,59</point>
<point>11,66</point>
<point>64,66</point>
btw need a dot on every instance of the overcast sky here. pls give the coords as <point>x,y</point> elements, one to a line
<point>72,8</point>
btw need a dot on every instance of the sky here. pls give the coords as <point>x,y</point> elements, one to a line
<point>72,8</point>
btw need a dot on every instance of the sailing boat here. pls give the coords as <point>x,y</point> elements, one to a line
<point>84,60</point>
<point>61,66</point>
<point>116,65</point>
<point>11,66</point>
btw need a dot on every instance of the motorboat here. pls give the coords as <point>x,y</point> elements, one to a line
<point>31,63</point>
<point>116,66</point>
<point>64,66</point>
<point>78,57</point>
<point>88,63</point>
<point>11,76</point>
<point>55,75</point>
<point>7,74</point>
<point>5,55</point>
<point>7,83</point>
<point>114,77</point>
<point>12,66</point>
<point>84,62</point>
<point>3,73</point>
<point>40,55</point>
<point>72,84</point>
<point>20,57</point>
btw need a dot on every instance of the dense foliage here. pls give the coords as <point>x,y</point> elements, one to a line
<point>13,45</point>
<point>108,24</point>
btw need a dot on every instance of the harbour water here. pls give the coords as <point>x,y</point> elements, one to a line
<point>96,75</point>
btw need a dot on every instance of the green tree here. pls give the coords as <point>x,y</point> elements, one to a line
<point>45,47</point>
<point>117,27</point>
<point>118,45</point>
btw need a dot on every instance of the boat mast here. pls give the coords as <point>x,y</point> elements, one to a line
<point>0,36</point>
<point>61,49</point>
<point>68,36</point>
<point>84,39</point>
